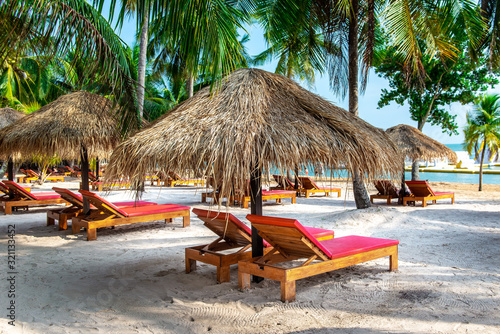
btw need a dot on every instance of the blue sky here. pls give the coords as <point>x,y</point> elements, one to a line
<point>383,118</point>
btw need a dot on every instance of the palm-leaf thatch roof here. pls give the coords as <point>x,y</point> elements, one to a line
<point>9,116</point>
<point>415,145</point>
<point>62,126</point>
<point>254,119</point>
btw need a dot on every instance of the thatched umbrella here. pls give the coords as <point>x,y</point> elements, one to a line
<point>415,145</point>
<point>73,126</point>
<point>7,117</point>
<point>252,120</point>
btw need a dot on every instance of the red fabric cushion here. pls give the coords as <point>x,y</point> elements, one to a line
<point>17,188</point>
<point>46,195</point>
<point>99,198</point>
<point>277,192</point>
<point>223,215</point>
<point>354,244</point>
<point>319,232</point>
<point>152,209</point>
<point>133,204</point>
<point>442,193</point>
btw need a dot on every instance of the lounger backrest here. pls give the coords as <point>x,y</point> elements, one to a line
<point>174,176</point>
<point>420,188</point>
<point>92,177</point>
<point>3,188</point>
<point>386,187</point>
<point>289,235</point>
<point>32,173</point>
<point>19,191</point>
<point>308,183</point>
<point>102,204</point>
<point>69,197</point>
<point>226,226</point>
<point>283,181</point>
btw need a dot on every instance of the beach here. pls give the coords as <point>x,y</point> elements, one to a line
<point>132,278</point>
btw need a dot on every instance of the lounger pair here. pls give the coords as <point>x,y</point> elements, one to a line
<point>386,190</point>
<point>421,191</point>
<point>308,187</point>
<point>290,241</point>
<point>107,214</point>
<point>63,214</point>
<point>24,198</point>
<point>233,235</point>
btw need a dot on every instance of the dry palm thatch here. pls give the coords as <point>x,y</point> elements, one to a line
<point>9,116</point>
<point>415,145</point>
<point>255,119</point>
<point>62,126</point>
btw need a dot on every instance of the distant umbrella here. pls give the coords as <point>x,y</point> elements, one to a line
<point>414,145</point>
<point>9,116</point>
<point>254,119</point>
<point>73,126</point>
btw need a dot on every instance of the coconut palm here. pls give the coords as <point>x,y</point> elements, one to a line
<point>54,27</point>
<point>483,128</point>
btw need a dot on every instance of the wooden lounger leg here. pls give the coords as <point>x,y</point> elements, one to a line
<point>243,280</point>
<point>307,194</point>
<point>453,200</point>
<point>245,204</point>
<point>186,221</point>
<point>8,209</point>
<point>50,221</point>
<point>75,228</point>
<point>190,265</point>
<point>168,220</point>
<point>203,197</point>
<point>223,274</point>
<point>63,223</point>
<point>424,203</point>
<point>327,194</point>
<point>294,200</point>
<point>288,291</point>
<point>388,200</point>
<point>278,200</point>
<point>393,261</point>
<point>91,234</point>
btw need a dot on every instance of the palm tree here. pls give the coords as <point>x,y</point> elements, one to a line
<point>351,29</point>
<point>55,27</point>
<point>483,128</point>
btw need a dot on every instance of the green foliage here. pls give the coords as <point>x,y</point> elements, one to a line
<point>483,128</point>
<point>445,83</point>
<point>44,162</point>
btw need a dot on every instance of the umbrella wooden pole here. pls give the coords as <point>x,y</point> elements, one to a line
<point>402,192</point>
<point>85,177</point>
<point>256,209</point>
<point>10,174</point>
<point>97,168</point>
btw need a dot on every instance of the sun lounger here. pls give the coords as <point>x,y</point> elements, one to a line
<point>291,241</point>
<point>63,214</point>
<point>421,191</point>
<point>101,185</point>
<point>24,198</point>
<point>175,179</point>
<point>33,174</point>
<point>386,190</point>
<point>277,195</point>
<point>283,183</point>
<point>73,172</point>
<point>5,190</point>
<point>310,187</point>
<point>26,178</point>
<point>107,214</point>
<point>233,235</point>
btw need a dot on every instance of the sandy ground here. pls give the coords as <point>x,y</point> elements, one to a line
<point>132,279</point>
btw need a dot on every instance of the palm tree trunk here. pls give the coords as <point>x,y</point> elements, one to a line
<point>415,176</point>
<point>360,194</point>
<point>481,167</point>
<point>190,85</point>
<point>141,69</point>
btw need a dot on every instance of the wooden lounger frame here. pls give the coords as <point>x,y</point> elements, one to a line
<point>244,200</point>
<point>386,190</point>
<point>101,185</point>
<point>23,200</point>
<point>300,247</point>
<point>422,192</point>
<point>106,216</point>
<point>233,238</point>
<point>309,187</point>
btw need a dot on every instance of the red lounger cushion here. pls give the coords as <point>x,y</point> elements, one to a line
<point>442,193</point>
<point>277,192</point>
<point>354,244</point>
<point>152,209</point>
<point>46,195</point>
<point>133,204</point>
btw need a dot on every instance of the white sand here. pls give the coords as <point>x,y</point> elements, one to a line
<point>132,279</point>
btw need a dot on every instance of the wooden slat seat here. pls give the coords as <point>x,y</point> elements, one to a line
<point>232,234</point>
<point>107,214</point>
<point>386,190</point>
<point>76,200</point>
<point>308,187</point>
<point>291,241</point>
<point>24,198</point>
<point>421,192</point>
